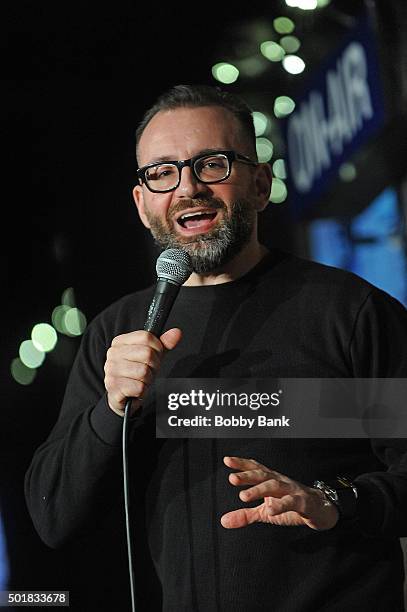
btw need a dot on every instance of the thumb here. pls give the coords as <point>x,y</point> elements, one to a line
<point>171,338</point>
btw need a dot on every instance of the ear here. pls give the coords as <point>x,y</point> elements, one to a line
<point>139,200</point>
<point>263,181</point>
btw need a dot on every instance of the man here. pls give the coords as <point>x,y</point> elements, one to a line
<point>244,312</point>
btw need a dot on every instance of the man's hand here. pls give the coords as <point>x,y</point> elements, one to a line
<point>132,361</point>
<point>286,502</point>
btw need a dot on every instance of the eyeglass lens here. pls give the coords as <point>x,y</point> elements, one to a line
<point>210,168</point>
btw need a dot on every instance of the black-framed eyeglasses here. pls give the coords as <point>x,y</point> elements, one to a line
<point>208,168</point>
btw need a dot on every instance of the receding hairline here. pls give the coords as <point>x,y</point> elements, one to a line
<point>200,96</point>
<point>240,126</point>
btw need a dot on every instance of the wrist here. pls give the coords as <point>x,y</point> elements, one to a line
<point>119,410</point>
<point>342,493</point>
<point>330,509</point>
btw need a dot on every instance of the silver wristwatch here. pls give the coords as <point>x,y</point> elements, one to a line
<point>342,492</point>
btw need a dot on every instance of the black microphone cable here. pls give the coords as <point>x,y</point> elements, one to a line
<point>173,267</point>
<point>126,488</point>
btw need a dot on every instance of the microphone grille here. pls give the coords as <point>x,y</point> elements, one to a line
<point>174,265</point>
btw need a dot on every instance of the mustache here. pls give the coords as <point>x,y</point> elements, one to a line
<point>184,204</point>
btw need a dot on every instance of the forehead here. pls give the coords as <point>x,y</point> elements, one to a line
<point>183,132</point>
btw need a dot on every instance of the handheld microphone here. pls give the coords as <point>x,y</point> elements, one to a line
<point>173,267</point>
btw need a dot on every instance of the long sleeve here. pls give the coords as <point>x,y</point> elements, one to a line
<point>75,475</point>
<point>379,350</point>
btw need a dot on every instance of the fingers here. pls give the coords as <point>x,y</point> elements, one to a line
<point>239,463</point>
<point>240,518</point>
<point>268,484</point>
<point>272,487</point>
<point>249,477</point>
<point>255,472</point>
<point>171,338</point>
<point>132,361</point>
<point>124,356</point>
<point>286,501</point>
<point>139,337</point>
<point>281,512</point>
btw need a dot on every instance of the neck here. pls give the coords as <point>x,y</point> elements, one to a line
<point>242,263</point>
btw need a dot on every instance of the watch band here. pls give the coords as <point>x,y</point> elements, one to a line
<point>342,492</point>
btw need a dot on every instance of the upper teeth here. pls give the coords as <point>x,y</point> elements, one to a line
<point>192,214</point>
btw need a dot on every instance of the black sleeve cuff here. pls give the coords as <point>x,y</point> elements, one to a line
<point>107,424</point>
<point>370,507</point>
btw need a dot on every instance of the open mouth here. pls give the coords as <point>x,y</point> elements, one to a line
<point>201,220</point>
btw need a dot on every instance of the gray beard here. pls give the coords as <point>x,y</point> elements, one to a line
<point>213,250</point>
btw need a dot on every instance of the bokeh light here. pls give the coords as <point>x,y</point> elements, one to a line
<point>74,322</point>
<point>278,191</point>
<point>30,355</point>
<point>293,64</point>
<point>21,373</point>
<point>283,25</point>
<point>225,73</point>
<point>305,5</point>
<point>66,319</point>
<point>264,149</point>
<point>261,122</point>
<point>252,66</point>
<point>272,51</point>
<point>347,172</point>
<point>290,44</point>
<point>279,169</point>
<point>283,106</point>
<point>44,337</point>
<point>58,316</point>
<point>68,297</point>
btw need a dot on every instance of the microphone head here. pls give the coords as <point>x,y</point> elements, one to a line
<point>174,265</point>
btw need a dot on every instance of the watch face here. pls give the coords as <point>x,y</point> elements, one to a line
<point>344,495</point>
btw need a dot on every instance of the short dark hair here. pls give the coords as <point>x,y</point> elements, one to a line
<point>194,96</point>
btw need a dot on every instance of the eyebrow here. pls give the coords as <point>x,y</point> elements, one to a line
<point>166,158</point>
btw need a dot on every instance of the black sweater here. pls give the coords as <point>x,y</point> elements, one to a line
<point>286,318</point>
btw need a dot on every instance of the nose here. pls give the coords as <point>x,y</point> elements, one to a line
<point>190,186</point>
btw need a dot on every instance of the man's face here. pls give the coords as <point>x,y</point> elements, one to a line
<point>221,217</point>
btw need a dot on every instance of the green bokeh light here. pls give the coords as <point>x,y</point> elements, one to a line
<point>278,191</point>
<point>279,169</point>
<point>68,297</point>
<point>74,322</point>
<point>283,106</point>
<point>272,51</point>
<point>20,372</point>
<point>252,66</point>
<point>290,44</point>
<point>225,73</point>
<point>57,318</point>
<point>264,149</point>
<point>347,172</point>
<point>44,337</point>
<point>283,25</point>
<point>322,3</point>
<point>261,122</point>
<point>30,355</point>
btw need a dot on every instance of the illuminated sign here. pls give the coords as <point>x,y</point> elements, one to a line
<point>341,109</point>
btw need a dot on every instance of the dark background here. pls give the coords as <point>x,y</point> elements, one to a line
<point>76,79</point>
